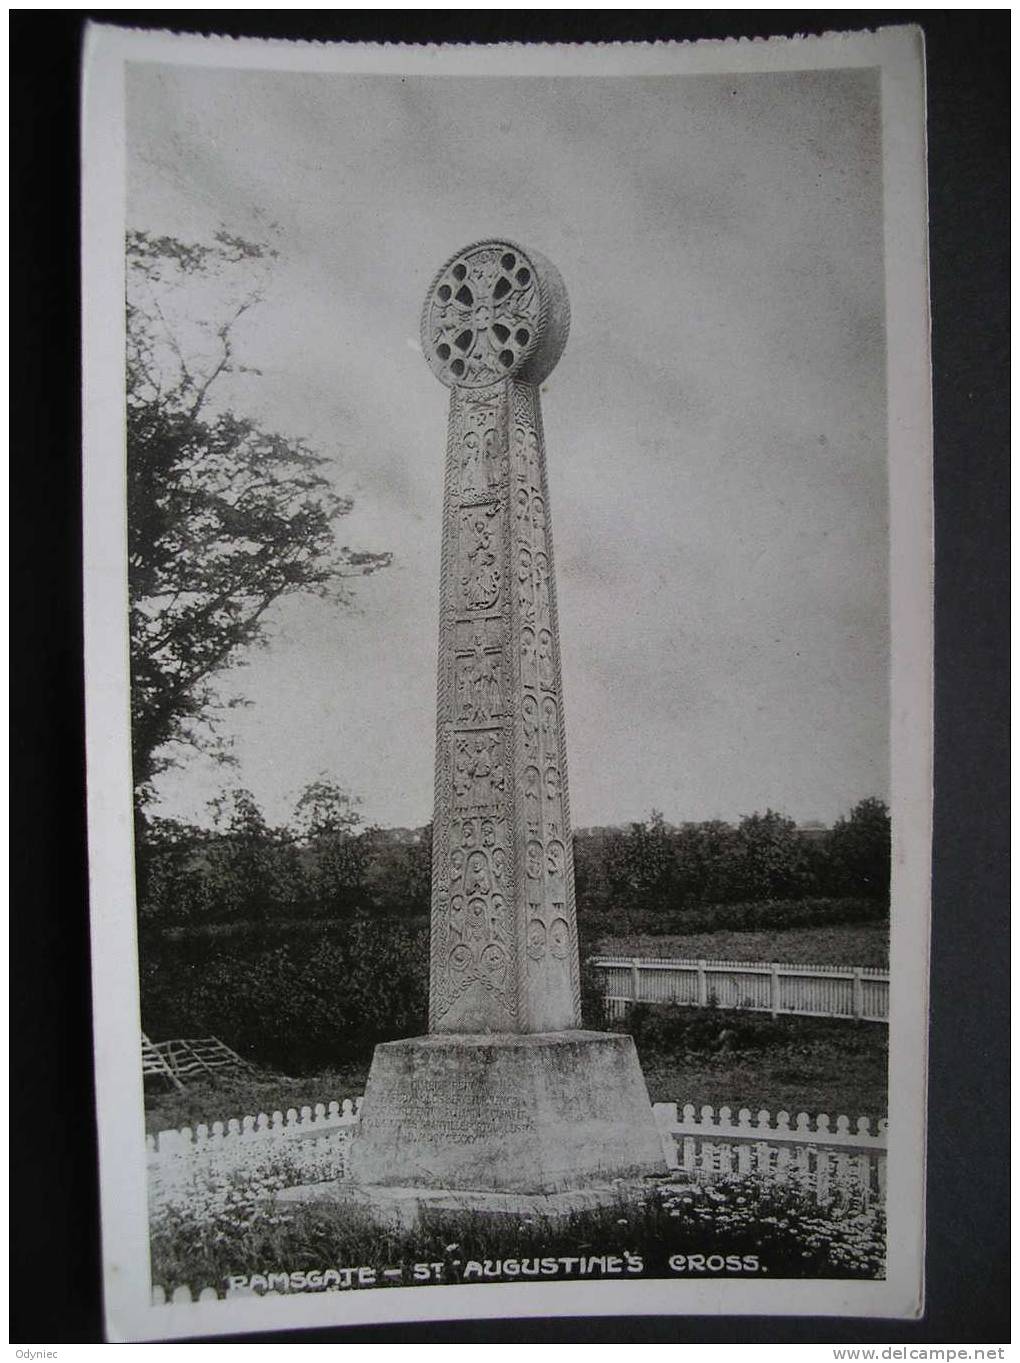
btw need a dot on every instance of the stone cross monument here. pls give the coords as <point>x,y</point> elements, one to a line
<point>506,1091</point>
<point>504,936</point>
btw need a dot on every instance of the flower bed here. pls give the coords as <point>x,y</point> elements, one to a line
<point>222,1227</point>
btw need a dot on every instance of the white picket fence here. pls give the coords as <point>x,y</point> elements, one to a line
<point>821,1156</point>
<point>309,1122</point>
<point>313,1139</point>
<point>821,991</point>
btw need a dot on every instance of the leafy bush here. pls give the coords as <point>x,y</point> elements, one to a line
<point>291,997</point>
<point>858,851</point>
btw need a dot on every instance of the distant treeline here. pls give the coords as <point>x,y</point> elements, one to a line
<point>307,944</point>
<point>656,866</point>
<point>325,864</point>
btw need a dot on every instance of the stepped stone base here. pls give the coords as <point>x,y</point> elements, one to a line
<point>538,1114</point>
<point>402,1208</point>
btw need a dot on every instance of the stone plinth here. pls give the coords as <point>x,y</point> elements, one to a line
<point>539,1114</point>
<point>398,1208</point>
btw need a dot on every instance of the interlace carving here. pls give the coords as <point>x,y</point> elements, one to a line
<point>482,315</point>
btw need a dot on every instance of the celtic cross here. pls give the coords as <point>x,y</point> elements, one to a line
<point>504,935</point>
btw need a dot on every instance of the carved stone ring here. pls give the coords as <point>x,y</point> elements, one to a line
<point>494,311</point>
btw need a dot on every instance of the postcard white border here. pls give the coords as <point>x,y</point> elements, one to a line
<point>898,53</point>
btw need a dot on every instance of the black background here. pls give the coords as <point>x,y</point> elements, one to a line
<point>55,1287</point>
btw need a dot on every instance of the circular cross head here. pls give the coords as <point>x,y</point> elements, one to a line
<point>494,311</point>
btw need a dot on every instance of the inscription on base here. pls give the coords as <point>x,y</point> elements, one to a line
<point>452,1112</point>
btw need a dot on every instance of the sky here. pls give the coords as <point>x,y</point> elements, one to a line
<point>715,430</point>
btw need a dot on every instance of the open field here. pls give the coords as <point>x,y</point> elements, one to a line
<point>217,1100</point>
<point>741,1059</point>
<point>864,944</point>
<point>794,1079</point>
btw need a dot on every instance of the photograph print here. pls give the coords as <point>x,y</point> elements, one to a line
<point>516,931</point>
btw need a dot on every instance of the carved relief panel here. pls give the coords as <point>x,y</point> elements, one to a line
<point>480,557</point>
<point>479,772</point>
<point>474,966</point>
<point>551,982</point>
<point>480,683</point>
<point>483,464</point>
<point>474,938</point>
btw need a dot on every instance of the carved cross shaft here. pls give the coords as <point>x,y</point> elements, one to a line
<point>504,934</point>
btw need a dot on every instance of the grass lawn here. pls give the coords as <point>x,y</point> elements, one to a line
<point>842,944</point>
<point>798,1064</point>
<point>802,1079</point>
<point>217,1100</point>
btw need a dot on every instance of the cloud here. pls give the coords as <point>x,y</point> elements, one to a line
<point>715,429</point>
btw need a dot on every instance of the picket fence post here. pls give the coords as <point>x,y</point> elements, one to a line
<point>815,1151</point>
